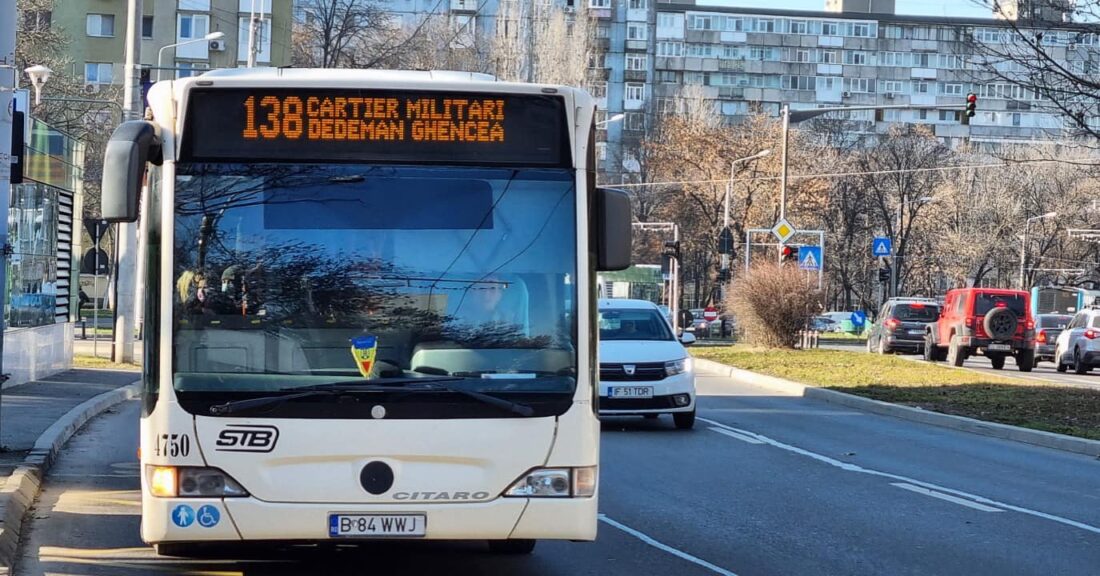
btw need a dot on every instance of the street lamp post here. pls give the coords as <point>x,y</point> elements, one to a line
<point>729,191</point>
<point>1023,245</point>
<point>895,273</point>
<point>610,120</point>
<point>207,38</point>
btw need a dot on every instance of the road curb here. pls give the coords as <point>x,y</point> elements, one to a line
<point>962,423</point>
<point>22,487</point>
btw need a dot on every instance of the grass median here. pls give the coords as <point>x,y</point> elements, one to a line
<point>1015,401</point>
<point>89,361</point>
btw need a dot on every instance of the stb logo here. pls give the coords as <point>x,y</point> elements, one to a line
<point>629,369</point>
<point>246,438</point>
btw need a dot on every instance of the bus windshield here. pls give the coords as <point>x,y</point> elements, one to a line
<point>453,271</point>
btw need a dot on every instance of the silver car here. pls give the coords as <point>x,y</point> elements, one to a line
<point>1079,344</point>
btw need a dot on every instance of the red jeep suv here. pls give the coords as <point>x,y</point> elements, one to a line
<point>987,321</point>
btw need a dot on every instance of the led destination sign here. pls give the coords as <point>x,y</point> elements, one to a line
<point>372,125</point>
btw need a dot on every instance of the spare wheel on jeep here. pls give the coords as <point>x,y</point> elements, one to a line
<point>1000,323</point>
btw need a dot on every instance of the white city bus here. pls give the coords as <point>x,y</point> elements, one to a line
<point>370,307</point>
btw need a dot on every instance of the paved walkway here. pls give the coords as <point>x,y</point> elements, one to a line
<point>27,410</point>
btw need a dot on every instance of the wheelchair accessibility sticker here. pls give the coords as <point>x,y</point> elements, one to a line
<point>208,516</point>
<point>183,515</point>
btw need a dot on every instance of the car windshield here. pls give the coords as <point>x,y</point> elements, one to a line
<point>281,269</point>
<point>916,312</point>
<point>1047,321</point>
<point>633,324</point>
<point>983,303</point>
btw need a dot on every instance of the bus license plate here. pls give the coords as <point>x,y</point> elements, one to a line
<point>377,525</point>
<point>631,391</point>
<point>999,347</point>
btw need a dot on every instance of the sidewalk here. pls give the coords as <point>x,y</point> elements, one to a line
<point>27,410</point>
<point>36,419</point>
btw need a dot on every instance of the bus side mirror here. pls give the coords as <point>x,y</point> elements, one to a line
<point>132,145</point>
<point>613,233</point>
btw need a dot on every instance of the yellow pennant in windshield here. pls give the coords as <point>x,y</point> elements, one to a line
<point>363,349</point>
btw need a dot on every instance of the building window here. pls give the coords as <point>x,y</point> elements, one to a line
<point>827,56</point>
<point>702,22</point>
<point>856,58</point>
<point>36,20</point>
<point>921,88</point>
<point>798,27</point>
<point>862,85</point>
<point>599,3</point>
<point>99,72</point>
<point>636,31</point>
<point>636,62</point>
<point>598,89</point>
<point>802,56</point>
<point>668,77</point>
<point>635,121</point>
<point>263,35</point>
<point>830,29</point>
<point>734,24</point>
<point>635,91</point>
<point>861,30</point>
<point>892,32</point>
<point>1016,118</point>
<point>700,50</point>
<point>603,30</point>
<point>194,26</point>
<point>670,49</point>
<point>101,25</point>
<point>952,89</point>
<point>893,86</point>
<point>146,26</point>
<point>638,4</point>
<point>665,20</point>
<point>799,83</point>
<point>188,69</point>
<point>949,115</point>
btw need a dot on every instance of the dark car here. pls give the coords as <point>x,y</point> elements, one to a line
<point>901,325</point>
<point>1048,327</point>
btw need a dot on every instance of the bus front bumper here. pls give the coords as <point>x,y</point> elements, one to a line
<point>248,519</point>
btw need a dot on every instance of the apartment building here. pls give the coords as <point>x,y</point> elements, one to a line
<point>97,33</point>
<point>858,52</point>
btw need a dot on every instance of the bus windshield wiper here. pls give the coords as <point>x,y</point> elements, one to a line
<point>339,389</point>
<point>433,384</point>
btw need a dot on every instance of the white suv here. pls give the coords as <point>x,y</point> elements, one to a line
<point>644,370</point>
<point>1079,344</point>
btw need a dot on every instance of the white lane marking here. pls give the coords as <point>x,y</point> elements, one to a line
<point>946,497</point>
<point>740,437</point>
<point>665,547</point>
<point>853,468</point>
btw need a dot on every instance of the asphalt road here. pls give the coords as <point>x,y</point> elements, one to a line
<point>765,484</point>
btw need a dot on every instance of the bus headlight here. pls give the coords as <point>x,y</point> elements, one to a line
<point>555,483</point>
<point>189,482</point>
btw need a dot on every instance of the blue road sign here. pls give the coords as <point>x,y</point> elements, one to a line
<point>809,257</point>
<point>882,246</point>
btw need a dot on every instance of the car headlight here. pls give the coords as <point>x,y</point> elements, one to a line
<point>191,482</point>
<point>678,366</point>
<point>555,483</point>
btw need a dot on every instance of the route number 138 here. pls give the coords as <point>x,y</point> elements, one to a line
<point>281,117</point>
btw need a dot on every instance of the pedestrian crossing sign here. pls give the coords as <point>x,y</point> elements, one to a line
<point>809,257</point>
<point>881,246</point>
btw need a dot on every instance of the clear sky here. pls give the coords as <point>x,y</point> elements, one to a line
<point>956,8</point>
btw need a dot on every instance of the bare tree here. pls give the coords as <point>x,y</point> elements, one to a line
<point>1055,66</point>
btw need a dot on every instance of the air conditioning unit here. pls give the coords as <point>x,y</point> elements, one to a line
<point>889,95</point>
<point>91,88</point>
<point>847,94</point>
<point>217,45</point>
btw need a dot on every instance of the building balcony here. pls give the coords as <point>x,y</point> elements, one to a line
<point>637,45</point>
<point>634,75</point>
<point>469,6</point>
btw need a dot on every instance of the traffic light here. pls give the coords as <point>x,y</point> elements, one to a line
<point>884,274</point>
<point>672,250</point>
<point>789,254</point>
<point>971,107</point>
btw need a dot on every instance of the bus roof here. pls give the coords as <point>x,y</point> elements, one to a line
<point>349,74</point>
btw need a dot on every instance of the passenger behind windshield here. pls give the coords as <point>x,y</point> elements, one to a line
<point>633,324</point>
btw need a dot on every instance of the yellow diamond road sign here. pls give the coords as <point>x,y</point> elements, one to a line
<point>783,230</point>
